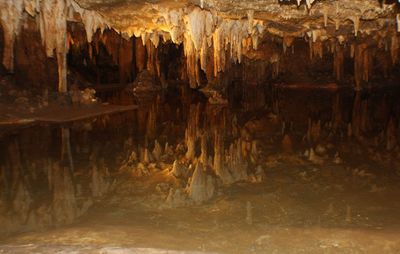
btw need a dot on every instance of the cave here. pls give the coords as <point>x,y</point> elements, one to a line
<point>199,126</point>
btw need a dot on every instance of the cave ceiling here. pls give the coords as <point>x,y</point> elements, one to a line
<point>281,18</point>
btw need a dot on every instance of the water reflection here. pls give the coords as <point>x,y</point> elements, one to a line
<point>51,175</point>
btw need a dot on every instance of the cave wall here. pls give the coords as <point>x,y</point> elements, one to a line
<point>2,69</point>
<point>33,69</point>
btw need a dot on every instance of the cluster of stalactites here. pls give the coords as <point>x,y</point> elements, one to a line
<point>308,3</point>
<point>207,34</point>
<point>208,39</point>
<point>52,16</point>
<point>361,52</point>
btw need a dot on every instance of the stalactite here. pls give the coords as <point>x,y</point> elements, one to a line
<point>338,61</point>
<point>206,31</point>
<point>140,54</point>
<point>151,57</point>
<point>337,24</point>
<point>325,11</point>
<point>111,41</point>
<point>192,131</point>
<point>362,64</point>
<point>356,22</point>
<point>398,22</point>
<point>125,60</point>
<point>10,17</point>
<point>287,42</point>
<point>53,16</point>
<point>394,49</point>
<point>316,49</point>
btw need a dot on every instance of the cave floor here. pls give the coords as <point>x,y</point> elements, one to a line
<point>14,116</point>
<point>301,207</point>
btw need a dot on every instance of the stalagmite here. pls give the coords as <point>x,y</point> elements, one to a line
<point>178,169</point>
<point>287,145</point>
<point>202,185</point>
<point>235,162</point>
<point>157,151</point>
<point>249,213</point>
<point>204,150</point>
<point>218,163</point>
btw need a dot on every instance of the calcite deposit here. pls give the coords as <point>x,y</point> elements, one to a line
<point>214,34</point>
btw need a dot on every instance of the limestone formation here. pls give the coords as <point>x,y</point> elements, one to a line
<point>202,186</point>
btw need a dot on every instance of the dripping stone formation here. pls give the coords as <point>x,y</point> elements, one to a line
<point>214,34</point>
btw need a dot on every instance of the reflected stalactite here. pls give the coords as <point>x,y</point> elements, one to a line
<point>338,62</point>
<point>151,124</point>
<point>356,116</point>
<point>64,204</point>
<point>394,49</point>
<point>192,132</point>
<point>66,152</point>
<point>337,117</point>
<point>391,133</point>
<point>99,183</point>
<point>362,64</point>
